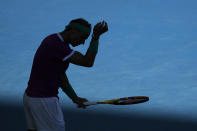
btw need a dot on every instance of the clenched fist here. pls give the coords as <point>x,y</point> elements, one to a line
<point>100,28</point>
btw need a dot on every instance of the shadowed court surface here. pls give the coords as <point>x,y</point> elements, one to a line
<point>12,118</point>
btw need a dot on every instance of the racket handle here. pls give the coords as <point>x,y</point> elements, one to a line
<point>90,103</point>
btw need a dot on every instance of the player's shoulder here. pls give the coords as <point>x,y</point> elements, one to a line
<point>51,40</point>
<point>52,37</point>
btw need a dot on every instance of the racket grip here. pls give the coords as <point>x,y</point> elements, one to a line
<point>90,103</point>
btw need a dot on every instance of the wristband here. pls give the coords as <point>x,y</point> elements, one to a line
<point>95,37</point>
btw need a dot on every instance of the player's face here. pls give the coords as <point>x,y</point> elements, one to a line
<point>78,38</point>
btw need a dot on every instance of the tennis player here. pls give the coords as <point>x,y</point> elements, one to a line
<point>52,58</point>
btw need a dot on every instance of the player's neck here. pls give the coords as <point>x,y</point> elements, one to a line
<point>65,36</point>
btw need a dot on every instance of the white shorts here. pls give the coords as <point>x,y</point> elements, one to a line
<point>43,114</point>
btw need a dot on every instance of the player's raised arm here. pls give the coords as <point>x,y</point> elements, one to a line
<point>88,59</point>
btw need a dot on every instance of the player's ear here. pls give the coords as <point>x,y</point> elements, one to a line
<point>74,30</point>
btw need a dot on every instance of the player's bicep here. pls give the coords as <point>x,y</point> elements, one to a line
<point>78,59</point>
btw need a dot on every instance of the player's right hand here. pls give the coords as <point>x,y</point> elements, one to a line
<point>79,101</point>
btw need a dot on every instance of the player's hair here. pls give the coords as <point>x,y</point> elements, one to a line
<point>80,21</point>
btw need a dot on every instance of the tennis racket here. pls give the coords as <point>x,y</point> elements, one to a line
<point>121,101</point>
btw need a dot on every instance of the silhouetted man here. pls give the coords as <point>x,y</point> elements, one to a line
<point>52,58</point>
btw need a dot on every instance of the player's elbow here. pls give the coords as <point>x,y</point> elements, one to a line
<point>89,65</point>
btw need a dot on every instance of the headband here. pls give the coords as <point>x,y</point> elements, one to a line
<point>80,27</point>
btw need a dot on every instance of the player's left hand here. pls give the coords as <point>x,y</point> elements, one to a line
<point>100,28</point>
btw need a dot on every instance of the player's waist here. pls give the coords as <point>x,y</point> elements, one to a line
<point>40,93</point>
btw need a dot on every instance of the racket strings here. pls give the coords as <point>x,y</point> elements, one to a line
<point>130,100</point>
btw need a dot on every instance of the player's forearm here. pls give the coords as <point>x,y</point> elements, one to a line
<point>92,51</point>
<point>69,91</point>
<point>67,88</point>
